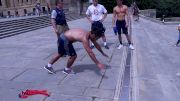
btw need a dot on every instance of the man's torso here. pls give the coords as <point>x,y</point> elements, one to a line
<point>59,16</point>
<point>121,12</point>
<point>96,12</point>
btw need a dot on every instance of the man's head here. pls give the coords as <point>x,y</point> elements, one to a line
<point>97,30</point>
<point>119,2</point>
<point>95,2</point>
<point>59,3</point>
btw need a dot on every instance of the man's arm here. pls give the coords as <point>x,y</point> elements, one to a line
<point>90,52</point>
<point>114,18</point>
<point>55,27</point>
<point>99,48</point>
<point>127,16</point>
<point>104,17</point>
<point>53,22</point>
<point>89,18</point>
<point>105,13</point>
<point>88,15</point>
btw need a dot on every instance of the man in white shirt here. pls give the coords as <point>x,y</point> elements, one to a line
<point>97,13</point>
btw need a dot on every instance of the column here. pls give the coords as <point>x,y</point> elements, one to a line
<point>4,3</point>
<point>11,3</point>
<point>16,3</point>
<point>23,2</point>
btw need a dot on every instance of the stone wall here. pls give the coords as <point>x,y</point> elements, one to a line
<point>27,7</point>
<point>20,7</point>
<point>149,13</point>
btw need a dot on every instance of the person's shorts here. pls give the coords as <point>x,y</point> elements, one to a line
<point>62,28</point>
<point>121,25</point>
<point>65,47</point>
<point>102,26</point>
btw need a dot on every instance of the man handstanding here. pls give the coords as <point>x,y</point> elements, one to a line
<point>120,21</point>
<point>97,13</point>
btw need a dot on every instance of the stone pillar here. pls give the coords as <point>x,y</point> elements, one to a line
<point>16,3</point>
<point>11,3</point>
<point>23,2</point>
<point>20,2</point>
<point>4,3</point>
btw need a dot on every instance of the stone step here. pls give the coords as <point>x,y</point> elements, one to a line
<point>19,26</point>
<point>21,31</point>
<point>7,24</point>
<point>25,27</point>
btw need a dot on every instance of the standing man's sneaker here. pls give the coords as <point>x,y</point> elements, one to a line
<point>106,46</point>
<point>49,69</point>
<point>120,46</point>
<point>92,46</point>
<point>70,71</point>
<point>131,47</point>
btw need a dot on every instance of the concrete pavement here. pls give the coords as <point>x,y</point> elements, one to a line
<point>150,76</point>
<point>155,62</point>
<point>23,57</point>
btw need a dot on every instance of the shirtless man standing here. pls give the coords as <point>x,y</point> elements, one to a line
<point>65,46</point>
<point>120,17</point>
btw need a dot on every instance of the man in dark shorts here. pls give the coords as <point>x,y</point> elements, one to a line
<point>65,46</point>
<point>120,16</point>
<point>97,13</point>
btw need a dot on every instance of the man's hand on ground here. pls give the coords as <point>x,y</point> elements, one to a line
<point>101,66</point>
<point>105,55</point>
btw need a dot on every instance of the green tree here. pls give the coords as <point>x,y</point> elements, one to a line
<point>110,4</point>
<point>166,7</point>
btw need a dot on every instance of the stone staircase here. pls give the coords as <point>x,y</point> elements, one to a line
<point>19,26</point>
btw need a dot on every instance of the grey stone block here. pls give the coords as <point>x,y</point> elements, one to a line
<point>60,97</point>
<point>100,93</point>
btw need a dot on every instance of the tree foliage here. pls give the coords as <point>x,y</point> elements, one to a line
<point>164,7</point>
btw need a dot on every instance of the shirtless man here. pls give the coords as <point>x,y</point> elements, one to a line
<point>120,16</point>
<point>65,46</point>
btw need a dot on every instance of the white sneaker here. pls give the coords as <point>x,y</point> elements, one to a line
<point>131,47</point>
<point>119,47</point>
<point>177,74</point>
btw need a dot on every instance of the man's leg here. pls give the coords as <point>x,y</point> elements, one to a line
<point>55,58</point>
<point>48,67</point>
<point>128,38</point>
<point>104,40</point>
<point>68,69</point>
<point>177,42</point>
<point>71,61</point>
<point>129,41</point>
<point>120,41</point>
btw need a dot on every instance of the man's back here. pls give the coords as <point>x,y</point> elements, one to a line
<point>77,35</point>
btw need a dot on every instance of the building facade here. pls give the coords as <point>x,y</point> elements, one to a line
<point>27,7</point>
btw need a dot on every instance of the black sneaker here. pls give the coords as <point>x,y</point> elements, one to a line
<point>92,46</point>
<point>70,71</point>
<point>106,46</point>
<point>49,69</point>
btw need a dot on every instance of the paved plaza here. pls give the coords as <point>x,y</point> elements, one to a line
<point>147,73</point>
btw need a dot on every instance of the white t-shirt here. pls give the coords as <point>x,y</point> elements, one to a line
<point>53,14</point>
<point>96,12</point>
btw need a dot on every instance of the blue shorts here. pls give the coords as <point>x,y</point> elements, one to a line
<point>101,25</point>
<point>65,47</point>
<point>121,25</point>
